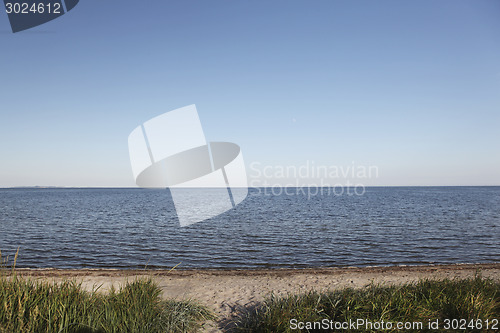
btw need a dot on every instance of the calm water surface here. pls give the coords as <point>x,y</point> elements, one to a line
<point>132,228</point>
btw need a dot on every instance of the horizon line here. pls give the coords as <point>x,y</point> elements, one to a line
<point>161,188</point>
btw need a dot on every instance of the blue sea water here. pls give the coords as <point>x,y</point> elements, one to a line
<point>135,228</point>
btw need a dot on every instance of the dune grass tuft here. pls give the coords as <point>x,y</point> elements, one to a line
<point>474,298</point>
<point>39,306</point>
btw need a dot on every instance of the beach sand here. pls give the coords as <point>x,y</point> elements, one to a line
<point>227,291</point>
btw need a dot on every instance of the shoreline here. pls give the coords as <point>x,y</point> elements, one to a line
<point>228,291</point>
<point>77,272</point>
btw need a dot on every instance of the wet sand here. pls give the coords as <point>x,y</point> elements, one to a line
<point>225,291</point>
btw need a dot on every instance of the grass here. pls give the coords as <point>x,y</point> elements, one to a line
<point>33,306</point>
<point>44,307</point>
<point>474,298</point>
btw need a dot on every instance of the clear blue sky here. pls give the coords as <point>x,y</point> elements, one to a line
<point>412,87</point>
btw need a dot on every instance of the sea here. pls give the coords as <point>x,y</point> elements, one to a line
<point>132,228</point>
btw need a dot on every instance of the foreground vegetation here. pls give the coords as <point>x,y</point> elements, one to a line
<point>44,307</point>
<point>30,306</point>
<point>476,299</point>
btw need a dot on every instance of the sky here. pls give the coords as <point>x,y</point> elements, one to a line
<point>409,87</point>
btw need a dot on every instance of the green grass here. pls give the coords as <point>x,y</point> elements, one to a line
<point>34,306</point>
<point>474,298</point>
<point>43,307</point>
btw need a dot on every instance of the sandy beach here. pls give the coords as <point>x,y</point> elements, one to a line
<point>226,291</point>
